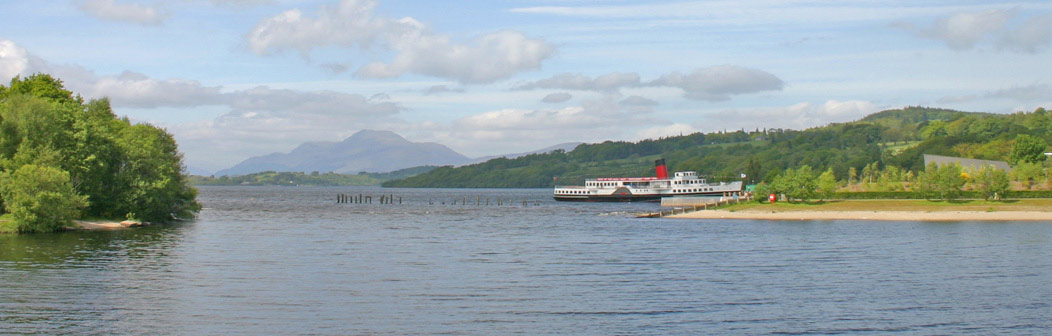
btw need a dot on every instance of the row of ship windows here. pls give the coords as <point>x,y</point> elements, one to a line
<point>691,190</point>
<point>687,182</point>
<point>604,184</point>
<point>576,192</point>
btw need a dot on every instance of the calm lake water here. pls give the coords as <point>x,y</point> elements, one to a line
<point>271,260</point>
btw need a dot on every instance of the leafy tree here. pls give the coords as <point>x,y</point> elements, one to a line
<point>762,191</point>
<point>121,169</point>
<point>935,128</point>
<point>992,182</point>
<point>797,183</point>
<point>1028,149</point>
<point>42,86</point>
<point>942,181</point>
<point>926,181</point>
<point>827,184</point>
<point>40,198</point>
<point>156,188</point>
<point>1027,173</point>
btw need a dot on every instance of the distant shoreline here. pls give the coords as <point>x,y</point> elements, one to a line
<point>889,210</point>
<point>947,215</point>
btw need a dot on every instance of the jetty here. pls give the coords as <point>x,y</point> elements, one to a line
<point>686,204</point>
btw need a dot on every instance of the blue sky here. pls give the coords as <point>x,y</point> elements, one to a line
<point>238,78</point>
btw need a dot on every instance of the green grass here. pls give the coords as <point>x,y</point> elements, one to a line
<point>894,148</point>
<point>898,205</point>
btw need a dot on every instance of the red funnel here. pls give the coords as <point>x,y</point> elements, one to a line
<point>659,166</point>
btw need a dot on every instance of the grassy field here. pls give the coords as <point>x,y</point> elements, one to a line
<point>898,205</point>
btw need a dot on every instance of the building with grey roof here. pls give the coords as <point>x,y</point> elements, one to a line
<point>967,164</point>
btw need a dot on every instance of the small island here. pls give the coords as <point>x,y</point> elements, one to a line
<point>62,158</point>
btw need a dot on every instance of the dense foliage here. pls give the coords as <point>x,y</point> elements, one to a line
<point>890,142</point>
<point>40,198</point>
<point>119,170</point>
<point>312,179</point>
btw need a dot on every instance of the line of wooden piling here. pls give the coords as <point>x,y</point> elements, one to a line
<point>461,200</point>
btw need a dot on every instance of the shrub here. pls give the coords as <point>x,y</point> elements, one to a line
<point>39,198</point>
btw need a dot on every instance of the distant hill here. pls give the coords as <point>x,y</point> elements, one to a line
<point>566,147</point>
<point>890,138</point>
<point>365,151</point>
<point>311,179</point>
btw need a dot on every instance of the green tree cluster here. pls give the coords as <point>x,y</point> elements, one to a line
<point>992,183</point>
<point>795,184</point>
<point>50,138</point>
<point>40,198</point>
<point>1029,149</point>
<point>941,182</point>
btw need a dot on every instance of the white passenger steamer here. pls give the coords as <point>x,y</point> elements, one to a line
<point>625,189</point>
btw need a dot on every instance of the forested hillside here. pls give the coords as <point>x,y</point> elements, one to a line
<point>893,138</point>
<point>61,158</point>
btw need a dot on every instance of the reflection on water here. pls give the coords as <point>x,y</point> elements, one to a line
<point>265,260</point>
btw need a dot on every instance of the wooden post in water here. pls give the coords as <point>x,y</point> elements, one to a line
<point>369,199</point>
<point>399,199</point>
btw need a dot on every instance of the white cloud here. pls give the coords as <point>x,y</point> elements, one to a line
<point>1025,94</point>
<point>558,97</point>
<point>665,131</point>
<point>336,68</point>
<point>351,23</point>
<point>568,81</point>
<point>114,11</point>
<point>324,107</point>
<point>137,90</point>
<point>1032,36</point>
<point>239,2</point>
<point>593,120</point>
<point>745,12</point>
<point>797,116</point>
<point>1033,92</point>
<point>13,60</point>
<point>715,83</point>
<point>638,101</point>
<point>718,83</point>
<point>442,88</point>
<point>968,30</point>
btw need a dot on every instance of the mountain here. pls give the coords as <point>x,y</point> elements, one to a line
<point>566,147</point>
<point>365,151</point>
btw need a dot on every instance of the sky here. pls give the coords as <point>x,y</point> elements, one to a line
<point>231,79</point>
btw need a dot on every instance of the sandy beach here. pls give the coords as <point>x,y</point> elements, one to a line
<point>104,225</point>
<point>948,215</point>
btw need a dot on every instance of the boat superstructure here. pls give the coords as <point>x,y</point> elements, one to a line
<point>686,183</point>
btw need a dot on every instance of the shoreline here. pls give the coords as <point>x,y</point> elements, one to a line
<point>947,215</point>
<point>79,224</point>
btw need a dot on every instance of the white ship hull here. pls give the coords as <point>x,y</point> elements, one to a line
<point>628,189</point>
